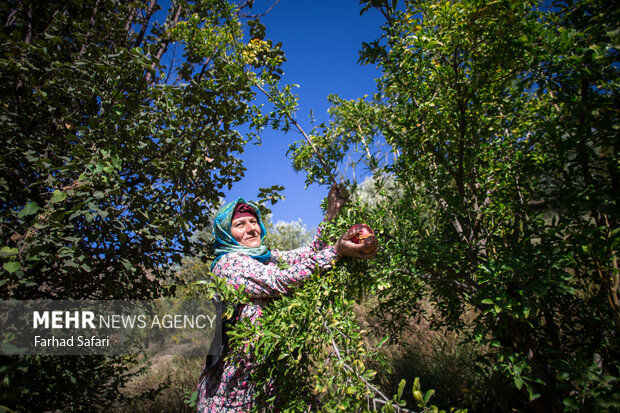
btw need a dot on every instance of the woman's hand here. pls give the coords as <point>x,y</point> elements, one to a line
<point>336,199</point>
<point>347,248</point>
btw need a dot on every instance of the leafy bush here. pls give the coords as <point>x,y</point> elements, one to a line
<point>492,126</point>
<point>110,160</point>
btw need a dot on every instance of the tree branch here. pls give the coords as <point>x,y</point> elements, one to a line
<point>28,36</point>
<point>88,33</point>
<point>164,43</point>
<point>305,135</point>
<point>253,16</point>
<point>384,400</point>
<point>145,23</point>
<point>11,18</point>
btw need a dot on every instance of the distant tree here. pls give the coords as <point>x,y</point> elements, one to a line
<point>371,190</point>
<point>118,134</point>
<point>286,236</point>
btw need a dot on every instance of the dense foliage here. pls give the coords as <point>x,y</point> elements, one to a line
<point>496,127</point>
<point>113,155</point>
<point>493,144</point>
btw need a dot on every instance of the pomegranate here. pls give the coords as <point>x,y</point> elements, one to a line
<point>364,236</point>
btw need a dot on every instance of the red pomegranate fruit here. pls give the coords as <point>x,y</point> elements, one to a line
<point>366,237</point>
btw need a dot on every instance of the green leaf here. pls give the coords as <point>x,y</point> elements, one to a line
<point>416,384</point>
<point>58,196</point>
<point>31,208</point>
<point>563,376</point>
<point>401,387</point>
<point>570,403</point>
<point>11,266</point>
<point>518,382</point>
<point>369,374</point>
<point>8,252</point>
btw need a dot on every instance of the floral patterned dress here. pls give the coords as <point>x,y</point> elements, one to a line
<point>227,386</point>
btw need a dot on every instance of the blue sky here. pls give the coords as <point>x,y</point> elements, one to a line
<point>321,40</point>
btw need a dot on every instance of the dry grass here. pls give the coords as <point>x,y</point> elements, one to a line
<point>437,357</point>
<point>179,375</point>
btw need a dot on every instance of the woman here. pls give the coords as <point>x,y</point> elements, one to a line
<point>242,258</point>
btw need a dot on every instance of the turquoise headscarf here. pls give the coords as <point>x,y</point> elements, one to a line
<point>224,241</point>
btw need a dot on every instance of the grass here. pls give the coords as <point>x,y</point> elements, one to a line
<point>439,358</point>
<point>177,374</point>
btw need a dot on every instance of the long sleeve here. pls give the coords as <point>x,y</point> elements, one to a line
<point>284,271</point>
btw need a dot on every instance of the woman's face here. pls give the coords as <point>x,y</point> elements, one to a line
<point>246,231</point>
